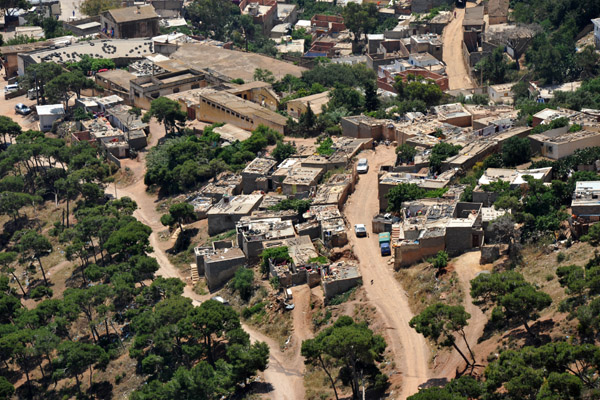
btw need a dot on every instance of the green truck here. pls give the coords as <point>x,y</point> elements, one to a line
<point>384,243</point>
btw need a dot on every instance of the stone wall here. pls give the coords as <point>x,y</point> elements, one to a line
<point>220,271</point>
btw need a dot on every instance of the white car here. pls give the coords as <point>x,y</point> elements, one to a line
<point>360,230</point>
<point>363,166</point>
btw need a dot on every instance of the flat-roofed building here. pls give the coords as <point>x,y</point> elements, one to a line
<point>586,201</point>
<point>224,215</point>
<point>301,179</point>
<point>257,175</point>
<point>501,93</point>
<point>389,180</point>
<point>559,143</point>
<point>116,81</point>
<point>130,22</point>
<point>299,106</point>
<point>144,89</point>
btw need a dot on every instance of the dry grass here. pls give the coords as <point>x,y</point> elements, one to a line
<point>423,289</point>
<point>317,384</point>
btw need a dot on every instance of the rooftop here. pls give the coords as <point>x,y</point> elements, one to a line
<point>302,176</point>
<point>234,64</point>
<point>51,109</point>
<point>231,133</point>
<point>261,166</point>
<point>266,229</point>
<point>513,176</point>
<point>341,270</point>
<point>586,193</point>
<point>561,138</point>
<point>224,254</point>
<point>238,205</point>
<point>130,14</point>
<point>105,48</point>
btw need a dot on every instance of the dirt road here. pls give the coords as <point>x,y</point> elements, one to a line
<point>458,76</point>
<point>466,267</point>
<point>410,350</point>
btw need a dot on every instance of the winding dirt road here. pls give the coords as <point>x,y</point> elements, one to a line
<point>458,76</point>
<point>410,350</point>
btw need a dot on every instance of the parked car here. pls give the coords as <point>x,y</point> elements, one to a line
<point>384,243</point>
<point>360,230</point>
<point>363,166</point>
<point>22,109</point>
<point>13,87</point>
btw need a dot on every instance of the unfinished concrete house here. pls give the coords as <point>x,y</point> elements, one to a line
<point>257,175</point>
<point>301,179</point>
<point>224,215</point>
<point>332,225</point>
<point>339,277</point>
<point>220,266</point>
<point>432,225</point>
<point>252,234</point>
<point>335,191</point>
<point>300,270</point>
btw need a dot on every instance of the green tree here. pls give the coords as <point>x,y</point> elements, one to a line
<point>40,74</point>
<point>213,18</point>
<point>167,112</point>
<point>264,75</point>
<point>178,214</point>
<point>516,151</point>
<point>74,358</point>
<point>353,346</point>
<point>6,389</point>
<point>440,323</point>
<point>348,98</point>
<point>441,260</point>
<point>283,151</point>
<point>406,153</point>
<point>372,102</point>
<point>401,193</point>
<point>517,301</point>
<point>360,19</point>
<point>31,243</point>
<point>493,68</point>
<point>439,153</point>
<point>276,254</point>
<point>243,282</point>
<point>6,259</point>
<point>9,127</point>
<point>92,8</point>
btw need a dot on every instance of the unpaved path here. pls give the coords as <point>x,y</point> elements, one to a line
<point>466,267</point>
<point>458,76</point>
<point>285,371</point>
<point>409,348</point>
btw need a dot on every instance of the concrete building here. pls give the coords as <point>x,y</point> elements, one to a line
<point>339,277</point>
<point>501,94</point>
<point>227,184</point>
<point>427,61</point>
<point>121,51</point>
<point>327,24</point>
<point>84,27</point>
<point>213,105</point>
<point>220,266</point>
<point>515,177</point>
<point>432,225</point>
<point>559,143</point>
<point>586,201</point>
<point>130,22</point>
<point>299,106</point>
<point>287,13</point>
<point>144,89</point>
<point>388,78</point>
<point>263,13</point>
<point>427,43</point>
<point>333,230</point>
<point>474,20</point>
<point>120,117</point>
<point>257,92</point>
<point>596,23</point>
<point>385,52</point>
<point>48,114</point>
<point>301,179</point>
<point>455,114</point>
<point>224,215</point>
<point>498,11</point>
<point>335,191</point>
<point>300,270</point>
<point>392,179</point>
<point>257,175</point>
<point>252,233</point>
<point>116,81</point>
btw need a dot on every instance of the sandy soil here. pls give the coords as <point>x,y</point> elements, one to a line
<point>458,77</point>
<point>466,267</point>
<point>410,350</point>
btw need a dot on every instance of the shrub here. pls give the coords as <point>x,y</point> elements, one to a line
<point>441,260</point>
<point>243,283</point>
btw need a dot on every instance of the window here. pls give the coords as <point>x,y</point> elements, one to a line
<point>176,90</point>
<point>195,86</point>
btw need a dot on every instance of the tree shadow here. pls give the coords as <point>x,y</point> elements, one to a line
<point>254,388</point>
<point>183,240</point>
<point>102,390</point>
<point>539,328</point>
<point>434,382</point>
<point>11,226</point>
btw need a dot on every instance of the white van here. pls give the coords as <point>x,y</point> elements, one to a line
<point>13,87</point>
